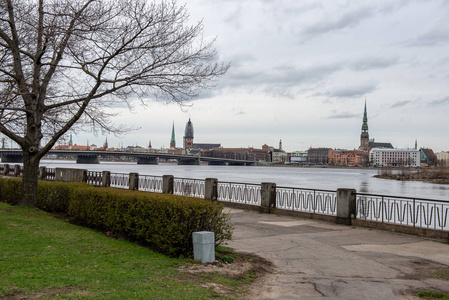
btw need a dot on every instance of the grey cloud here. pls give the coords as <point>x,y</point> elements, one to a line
<point>351,92</point>
<point>439,102</point>
<point>373,63</point>
<point>278,80</point>
<point>438,35</point>
<point>343,115</point>
<point>346,20</point>
<point>400,104</point>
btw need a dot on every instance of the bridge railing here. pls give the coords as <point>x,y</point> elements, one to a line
<point>120,180</point>
<point>307,200</point>
<point>243,193</point>
<point>150,183</point>
<point>189,187</point>
<point>415,212</point>
<point>95,178</point>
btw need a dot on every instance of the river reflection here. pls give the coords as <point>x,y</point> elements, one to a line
<point>315,178</point>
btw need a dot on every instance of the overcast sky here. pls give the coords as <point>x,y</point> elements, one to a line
<point>301,71</point>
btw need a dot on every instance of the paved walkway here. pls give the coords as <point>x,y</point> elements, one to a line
<point>318,259</point>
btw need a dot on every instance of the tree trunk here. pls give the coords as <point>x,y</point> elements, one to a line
<point>29,179</point>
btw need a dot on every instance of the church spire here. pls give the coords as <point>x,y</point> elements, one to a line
<point>173,140</point>
<point>364,137</point>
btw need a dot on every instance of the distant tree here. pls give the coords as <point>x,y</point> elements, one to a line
<point>64,62</point>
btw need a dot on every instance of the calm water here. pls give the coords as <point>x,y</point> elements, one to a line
<point>316,178</point>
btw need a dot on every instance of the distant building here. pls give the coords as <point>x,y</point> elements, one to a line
<point>319,156</point>
<point>365,142</point>
<point>251,154</point>
<point>348,157</point>
<point>188,136</point>
<point>278,155</point>
<point>381,157</point>
<point>443,158</point>
<point>298,157</point>
<point>428,157</point>
<point>205,146</point>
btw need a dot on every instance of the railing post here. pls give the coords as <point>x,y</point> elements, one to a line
<point>167,184</point>
<point>6,169</point>
<point>42,173</point>
<point>133,181</point>
<point>16,170</point>
<point>346,205</point>
<point>106,179</point>
<point>267,196</point>
<point>211,189</point>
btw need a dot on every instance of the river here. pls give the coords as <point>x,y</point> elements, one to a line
<point>314,178</point>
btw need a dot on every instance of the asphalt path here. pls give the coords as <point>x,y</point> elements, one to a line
<point>315,259</point>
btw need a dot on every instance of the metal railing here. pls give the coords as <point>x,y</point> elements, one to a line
<point>50,174</point>
<point>150,183</point>
<point>244,193</point>
<point>189,187</point>
<point>94,178</point>
<point>120,180</point>
<point>416,212</point>
<point>307,200</point>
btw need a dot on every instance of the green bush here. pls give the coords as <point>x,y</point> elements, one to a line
<point>162,221</point>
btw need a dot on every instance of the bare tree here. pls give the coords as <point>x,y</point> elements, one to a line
<point>63,61</point>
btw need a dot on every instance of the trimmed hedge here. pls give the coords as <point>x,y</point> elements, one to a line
<point>162,221</point>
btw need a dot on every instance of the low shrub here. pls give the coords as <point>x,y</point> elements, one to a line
<point>162,221</point>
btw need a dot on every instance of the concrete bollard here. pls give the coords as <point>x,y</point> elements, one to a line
<point>346,205</point>
<point>211,189</point>
<point>6,169</point>
<point>133,181</point>
<point>16,170</point>
<point>267,196</point>
<point>204,246</point>
<point>167,184</point>
<point>106,179</point>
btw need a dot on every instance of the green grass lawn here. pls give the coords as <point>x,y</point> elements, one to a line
<point>43,256</point>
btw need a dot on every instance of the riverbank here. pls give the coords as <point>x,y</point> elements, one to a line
<point>437,175</point>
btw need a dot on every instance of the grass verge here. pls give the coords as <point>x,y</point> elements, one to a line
<point>43,257</point>
<point>432,295</point>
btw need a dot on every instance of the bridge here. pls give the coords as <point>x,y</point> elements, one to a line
<point>148,158</point>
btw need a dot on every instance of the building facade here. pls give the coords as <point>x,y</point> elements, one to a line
<point>319,156</point>
<point>188,136</point>
<point>382,157</point>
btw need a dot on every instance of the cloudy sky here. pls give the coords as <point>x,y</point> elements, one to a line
<point>301,71</point>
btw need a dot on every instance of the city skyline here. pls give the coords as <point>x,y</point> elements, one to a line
<point>301,71</point>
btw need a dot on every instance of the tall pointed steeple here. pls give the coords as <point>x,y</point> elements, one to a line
<point>173,140</point>
<point>70,141</point>
<point>364,137</point>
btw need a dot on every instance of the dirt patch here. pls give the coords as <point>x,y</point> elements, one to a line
<point>47,293</point>
<point>241,278</point>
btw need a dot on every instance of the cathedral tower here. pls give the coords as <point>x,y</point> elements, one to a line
<point>188,136</point>
<point>364,137</point>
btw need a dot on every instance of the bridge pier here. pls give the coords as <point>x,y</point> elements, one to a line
<point>12,158</point>
<point>87,159</point>
<point>189,162</point>
<point>217,163</point>
<point>235,163</point>
<point>145,160</point>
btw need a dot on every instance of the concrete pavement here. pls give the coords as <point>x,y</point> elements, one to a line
<point>315,259</point>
